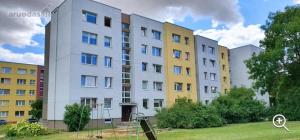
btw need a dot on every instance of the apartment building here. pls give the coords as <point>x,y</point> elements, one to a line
<point>18,89</point>
<point>224,69</point>
<point>239,72</point>
<point>180,67</point>
<point>208,69</point>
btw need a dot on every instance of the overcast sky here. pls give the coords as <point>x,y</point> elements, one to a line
<point>232,22</point>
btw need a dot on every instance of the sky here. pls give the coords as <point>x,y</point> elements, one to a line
<point>233,23</point>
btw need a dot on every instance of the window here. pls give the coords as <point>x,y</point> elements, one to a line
<point>6,70</point>
<point>5,80</point>
<point>223,67</point>
<point>144,49</point>
<point>156,51</point>
<point>21,81</point>
<point>203,48</point>
<point>89,38</point>
<point>89,16</point>
<point>22,71</point>
<point>205,89</point>
<point>91,102</point>
<point>157,68</point>
<point>88,81</point>
<point>176,54</point>
<point>107,21</point>
<point>33,72</point>
<point>186,40</point>
<point>107,42</point>
<point>213,89</point>
<point>187,56</point>
<point>176,38</point>
<point>3,114</point>
<point>31,92</point>
<point>145,103</point>
<point>32,82</point>
<point>107,61</point>
<point>222,55</point>
<point>108,82</point>
<point>188,71</point>
<point>177,70</point>
<point>4,102</point>
<point>211,50</point>
<point>88,59</point>
<point>212,76</point>
<point>4,92</point>
<point>204,61</point>
<point>144,66</point>
<point>19,113</point>
<point>107,103</point>
<point>20,102</point>
<point>145,84</point>
<point>205,75</point>
<point>144,31</point>
<point>189,87</point>
<point>212,63</point>
<point>157,86</point>
<point>158,103</point>
<point>206,102</point>
<point>20,92</point>
<point>224,79</point>
<point>178,86</point>
<point>125,26</point>
<point>156,34</point>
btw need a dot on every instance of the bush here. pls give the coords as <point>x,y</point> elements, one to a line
<point>185,114</point>
<point>239,106</point>
<point>25,128</point>
<point>76,116</point>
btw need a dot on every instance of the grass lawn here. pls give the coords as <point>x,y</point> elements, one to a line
<point>248,131</point>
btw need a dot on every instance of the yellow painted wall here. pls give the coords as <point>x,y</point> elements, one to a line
<point>13,86</point>
<point>225,85</point>
<point>170,61</point>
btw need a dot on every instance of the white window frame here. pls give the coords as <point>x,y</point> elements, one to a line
<point>108,82</point>
<point>85,81</point>
<point>106,106</point>
<point>20,102</point>
<point>157,86</point>
<point>160,103</point>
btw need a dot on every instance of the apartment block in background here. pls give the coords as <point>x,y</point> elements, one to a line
<point>18,89</point>
<point>224,69</point>
<point>239,72</point>
<point>180,67</point>
<point>208,69</point>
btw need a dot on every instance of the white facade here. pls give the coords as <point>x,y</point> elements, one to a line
<point>208,69</point>
<point>66,48</point>
<point>239,71</point>
<point>140,39</point>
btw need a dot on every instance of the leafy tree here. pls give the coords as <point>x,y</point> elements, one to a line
<point>276,70</point>
<point>76,116</point>
<point>37,109</point>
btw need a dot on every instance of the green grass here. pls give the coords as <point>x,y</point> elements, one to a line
<point>248,131</point>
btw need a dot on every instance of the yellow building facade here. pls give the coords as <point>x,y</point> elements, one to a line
<point>17,90</point>
<point>224,69</point>
<point>180,68</point>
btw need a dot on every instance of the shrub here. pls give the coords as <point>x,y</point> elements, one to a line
<point>76,116</point>
<point>185,114</point>
<point>240,106</point>
<point>25,128</point>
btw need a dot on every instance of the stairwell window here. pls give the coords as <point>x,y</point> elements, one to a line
<point>158,103</point>
<point>88,59</point>
<point>107,103</point>
<point>89,38</point>
<point>176,38</point>
<point>107,61</point>
<point>187,56</point>
<point>205,75</point>
<point>108,82</point>
<point>156,34</point>
<point>89,16</point>
<point>204,61</point>
<point>186,40</point>
<point>88,81</point>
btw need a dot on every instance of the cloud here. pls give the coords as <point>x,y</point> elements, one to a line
<point>28,58</point>
<point>235,35</point>
<point>226,11</point>
<point>296,1</point>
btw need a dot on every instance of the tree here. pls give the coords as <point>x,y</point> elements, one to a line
<point>76,116</point>
<point>276,70</point>
<point>37,109</point>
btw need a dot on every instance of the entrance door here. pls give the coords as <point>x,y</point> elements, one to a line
<point>126,111</point>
